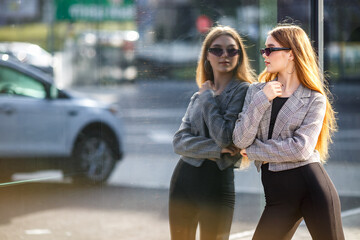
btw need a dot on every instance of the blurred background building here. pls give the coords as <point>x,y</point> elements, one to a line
<point>164,36</point>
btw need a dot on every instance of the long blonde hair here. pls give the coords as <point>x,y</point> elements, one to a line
<point>243,71</point>
<point>309,74</point>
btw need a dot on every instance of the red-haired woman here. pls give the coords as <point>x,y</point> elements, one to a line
<point>285,127</point>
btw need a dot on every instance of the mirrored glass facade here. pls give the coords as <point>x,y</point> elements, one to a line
<point>92,92</point>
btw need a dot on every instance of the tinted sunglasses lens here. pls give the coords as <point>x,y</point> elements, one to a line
<point>216,51</point>
<point>232,52</point>
<point>267,51</point>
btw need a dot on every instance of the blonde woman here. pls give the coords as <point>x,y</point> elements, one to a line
<point>285,127</point>
<point>202,185</point>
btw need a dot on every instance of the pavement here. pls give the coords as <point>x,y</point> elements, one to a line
<point>57,210</point>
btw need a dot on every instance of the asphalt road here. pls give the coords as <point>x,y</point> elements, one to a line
<point>133,205</point>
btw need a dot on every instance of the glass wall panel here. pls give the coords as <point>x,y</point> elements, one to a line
<point>86,145</point>
<point>341,63</point>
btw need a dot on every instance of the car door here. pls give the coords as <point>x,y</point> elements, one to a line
<point>31,123</point>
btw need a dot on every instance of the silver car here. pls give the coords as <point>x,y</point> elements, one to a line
<point>43,127</point>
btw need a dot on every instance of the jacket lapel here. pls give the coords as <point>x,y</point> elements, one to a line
<point>265,122</point>
<point>198,119</point>
<point>291,106</point>
<point>229,89</point>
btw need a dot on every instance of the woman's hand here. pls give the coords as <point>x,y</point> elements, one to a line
<point>243,152</point>
<point>272,90</point>
<point>232,150</point>
<point>208,85</point>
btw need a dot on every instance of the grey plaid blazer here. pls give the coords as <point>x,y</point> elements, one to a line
<point>296,128</point>
<point>208,125</point>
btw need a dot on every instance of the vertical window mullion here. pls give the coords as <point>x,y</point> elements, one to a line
<point>317,29</point>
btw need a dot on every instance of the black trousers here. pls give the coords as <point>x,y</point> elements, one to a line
<point>201,195</point>
<point>301,193</point>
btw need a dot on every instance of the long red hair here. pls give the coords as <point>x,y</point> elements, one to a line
<point>309,74</point>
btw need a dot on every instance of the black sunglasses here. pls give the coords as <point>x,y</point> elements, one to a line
<point>232,52</point>
<point>268,51</point>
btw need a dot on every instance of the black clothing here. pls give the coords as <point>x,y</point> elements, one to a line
<point>277,104</point>
<point>305,192</point>
<point>202,194</point>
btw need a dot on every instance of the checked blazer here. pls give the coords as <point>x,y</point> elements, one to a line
<point>208,125</point>
<point>296,130</point>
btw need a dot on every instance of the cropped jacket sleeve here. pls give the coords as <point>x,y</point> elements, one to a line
<point>187,144</point>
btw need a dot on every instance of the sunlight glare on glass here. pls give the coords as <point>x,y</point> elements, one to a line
<point>132,36</point>
<point>5,57</point>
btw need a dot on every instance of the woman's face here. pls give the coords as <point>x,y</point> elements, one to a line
<point>222,58</point>
<point>277,61</point>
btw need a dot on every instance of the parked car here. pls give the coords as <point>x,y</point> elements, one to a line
<point>43,127</point>
<point>29,53</point>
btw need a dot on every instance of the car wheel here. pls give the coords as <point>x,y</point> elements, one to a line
<point>93,159</point>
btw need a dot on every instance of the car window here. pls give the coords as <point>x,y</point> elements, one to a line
<point>17,84</point>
